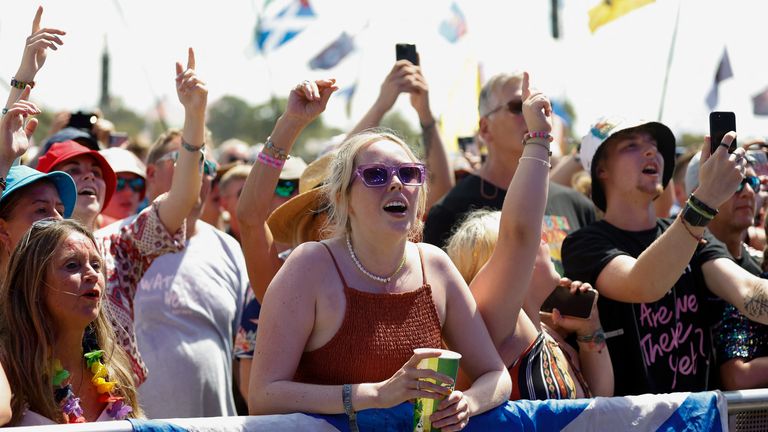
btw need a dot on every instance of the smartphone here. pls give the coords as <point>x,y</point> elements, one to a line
<point>117,139</point>
<point>720,123</point>
<point>468,145</point>
<point>82,120</point>
<point>407,52</point>
<point>577,305</point>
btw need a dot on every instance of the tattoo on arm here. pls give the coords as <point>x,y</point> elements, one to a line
<point>426,138</point>
<point>756,302</point>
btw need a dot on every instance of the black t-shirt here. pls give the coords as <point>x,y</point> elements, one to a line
<point>566,211</point>
<point>657,347</point>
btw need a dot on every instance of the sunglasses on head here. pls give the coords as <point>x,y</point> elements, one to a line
<point>377,175</point>
<point>209,168</point>
<point>286,188</point>
<point>514,106</point>
<point>752,181</point>
<point>136,184</point>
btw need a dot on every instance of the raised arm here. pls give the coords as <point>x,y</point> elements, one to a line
<point>648,277</point>
<point>35,54</point>
<point>187,177</point>
<point>502,285</point>
<point>15,130</point>
<point>400,79</point>
<point>305,102</point>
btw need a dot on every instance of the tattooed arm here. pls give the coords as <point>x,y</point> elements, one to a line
<point>735,285</point>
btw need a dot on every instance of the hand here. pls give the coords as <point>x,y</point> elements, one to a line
<point>720,173</point>
<point>15,129</point>
<point>537,110</point>
<point>420,96</point>
<point>36,48</point>
<point>309,98</point>
<point>192,92</point>
<point>452,413</point>
<point>400,79</point>
<point>409,382</point>
<point>578,325</point>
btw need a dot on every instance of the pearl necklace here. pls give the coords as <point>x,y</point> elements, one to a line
<point>381,279</point>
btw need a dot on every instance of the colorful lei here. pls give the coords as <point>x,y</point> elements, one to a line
<point>70,404</point>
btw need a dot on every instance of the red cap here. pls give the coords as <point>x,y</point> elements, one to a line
<point>63,151</point>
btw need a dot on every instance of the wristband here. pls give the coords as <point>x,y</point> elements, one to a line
<point>190,148</point>
<point>699,205</point>
<point>596,340</point>
<point>538,143</point>
<point>275,151</point>
<point>545,135</point>
<point>21,84</point>
<point>346,398</point>
<point>268,160</point>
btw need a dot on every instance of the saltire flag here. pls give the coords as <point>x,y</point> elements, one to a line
<point>760,103</point>
<point>609,10</point>
<point>558,107</point>
<point>272,32</point>
<point>724,72</point>
<point>455,26</point>
<point>333,53</point>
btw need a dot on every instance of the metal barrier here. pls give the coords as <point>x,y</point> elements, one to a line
<point>747,410</point>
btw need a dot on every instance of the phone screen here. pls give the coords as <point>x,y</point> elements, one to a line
<point>406,52</point>
<point>577,305</point>
<point>720,123</point>
<point>468,144</point>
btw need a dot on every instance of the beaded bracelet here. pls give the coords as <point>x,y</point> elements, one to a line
<point>268,160</point>
<point>21,84</point>
<point>277,152</point>
<point>545,135</point>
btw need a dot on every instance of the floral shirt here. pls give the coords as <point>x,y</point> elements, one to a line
<point>129,247</point>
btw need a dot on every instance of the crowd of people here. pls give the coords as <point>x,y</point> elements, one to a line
<point>195,280</point>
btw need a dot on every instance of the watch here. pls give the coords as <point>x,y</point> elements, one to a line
<point>695,217</point>
<point>596,340</point>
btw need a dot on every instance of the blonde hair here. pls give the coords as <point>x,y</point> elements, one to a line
<point>489,92</point>
<point>472,243</point>
<point>26,327</point>
<point>340,178</point>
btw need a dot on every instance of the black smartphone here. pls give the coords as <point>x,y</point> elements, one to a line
<point>577,305</point>
<point>405,51</point>
<point>82,120</point>
<point>720,123</point>
<point>468,144</point>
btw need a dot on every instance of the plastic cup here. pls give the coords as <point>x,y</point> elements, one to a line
<point>446,364</point>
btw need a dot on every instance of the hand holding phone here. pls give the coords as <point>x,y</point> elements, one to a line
<point>577,305</point>
<point>720,123</point>
<point>408,52</point>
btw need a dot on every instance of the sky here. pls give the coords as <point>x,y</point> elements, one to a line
<point>618,70</point>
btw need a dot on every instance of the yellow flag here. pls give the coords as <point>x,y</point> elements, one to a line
<point>461,116</point>
<point>609,10</point>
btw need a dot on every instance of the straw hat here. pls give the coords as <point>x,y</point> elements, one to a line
<point>294,213</point>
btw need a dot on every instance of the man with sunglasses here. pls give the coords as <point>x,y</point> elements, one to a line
<point>188,305</point>
<point>502,129</point>
<point>734,218</point>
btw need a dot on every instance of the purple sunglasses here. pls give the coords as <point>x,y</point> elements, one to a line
<point>377,175</point>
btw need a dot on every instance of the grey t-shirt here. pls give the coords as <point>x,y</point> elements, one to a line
<point>188,308</point>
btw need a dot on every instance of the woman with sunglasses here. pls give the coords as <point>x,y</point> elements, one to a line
<point>130,187</point>
<point>362,301</point>
<point>62,360</point>
<point>131,248</point>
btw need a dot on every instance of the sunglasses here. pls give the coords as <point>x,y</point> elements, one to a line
<point>136,184</point>
<point>514,106</point>
<point>752,181</point>
<point>377,175</point>
<point>209,168</point>
<point>286,188</point>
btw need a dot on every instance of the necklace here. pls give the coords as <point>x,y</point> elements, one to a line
<point>381,279</point>
<point>70,404</point>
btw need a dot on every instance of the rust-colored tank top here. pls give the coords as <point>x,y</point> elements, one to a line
<point>376,338</point>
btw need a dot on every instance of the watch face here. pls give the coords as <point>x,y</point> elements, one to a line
<point>598,338</point>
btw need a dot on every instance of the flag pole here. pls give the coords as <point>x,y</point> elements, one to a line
<point>669,62</point>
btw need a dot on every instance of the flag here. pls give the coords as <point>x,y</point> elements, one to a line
<point>347,93</point>
<point>454,27</point>
<point>609,10</point>
<point>272,32</point>
<point>724,72</point>
<point>760,103</point>
<point>333,53</point>
<point>460,116</point>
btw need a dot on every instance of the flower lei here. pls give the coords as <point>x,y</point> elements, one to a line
<point>70,404</point>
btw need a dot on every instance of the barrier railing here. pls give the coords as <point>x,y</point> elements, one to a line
<point>747,412</point>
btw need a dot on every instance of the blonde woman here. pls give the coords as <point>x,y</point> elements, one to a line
<point>58,348</point>
<point>360,302</point>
